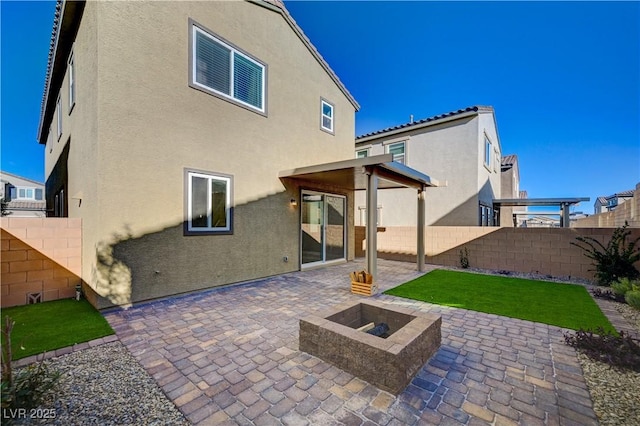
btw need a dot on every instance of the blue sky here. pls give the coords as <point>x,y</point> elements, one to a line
<point>563,77</point>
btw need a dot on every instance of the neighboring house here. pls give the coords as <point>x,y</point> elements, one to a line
<point>510,188</point>
<point>166,127</point>
<point>462,148</point>
<point>613,201</point>
<point>23,197</point>
<point>600,206</point>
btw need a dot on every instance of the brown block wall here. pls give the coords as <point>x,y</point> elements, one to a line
<point>628,211</point>
<point>539,250</point>
<point>40,255</point>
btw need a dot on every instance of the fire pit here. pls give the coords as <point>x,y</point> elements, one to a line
<point>388,363</point>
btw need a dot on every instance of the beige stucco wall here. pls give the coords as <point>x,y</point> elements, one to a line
<point>451,153</point>
<point>150,126</point>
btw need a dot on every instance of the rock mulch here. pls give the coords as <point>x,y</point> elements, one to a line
<point>105,385</point>
<point>614,392</point>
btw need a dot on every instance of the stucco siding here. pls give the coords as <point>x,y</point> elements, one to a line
<point>151,125</point>
<point>446,152</point>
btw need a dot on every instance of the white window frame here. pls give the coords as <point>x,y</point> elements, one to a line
<point>387,149</point>
<point>329,129</point>
<point>194,30</point>
<point>72,82</point>
<point>25,189</point>
<point>366,152</point>
<point>59,116</point>
<point>488,149</point>
<point>228,180</point>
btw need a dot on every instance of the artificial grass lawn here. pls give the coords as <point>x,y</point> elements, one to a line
<point>563,305</point>
<point>53,325</point>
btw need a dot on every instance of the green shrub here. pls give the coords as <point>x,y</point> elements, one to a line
<point>622,286</point>
<point>616,259</point>
<point>633,298</point>
<point>27,387</point>
<point>464,258</point>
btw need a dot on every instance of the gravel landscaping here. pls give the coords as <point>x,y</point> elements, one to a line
<point>614,393</point>
<point>105,385</point>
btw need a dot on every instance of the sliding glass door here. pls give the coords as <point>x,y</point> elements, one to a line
<point>322,225</point>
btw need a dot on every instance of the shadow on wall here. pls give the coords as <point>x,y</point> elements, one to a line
<point>132,268</point>
<point>29,275</point>
<point>466,213</point>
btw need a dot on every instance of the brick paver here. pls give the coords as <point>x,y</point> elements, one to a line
<point>230,356</point>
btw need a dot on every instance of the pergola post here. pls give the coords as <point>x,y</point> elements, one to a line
<point>421,221</point>
<point>564,218</point>
<point>372,221</point>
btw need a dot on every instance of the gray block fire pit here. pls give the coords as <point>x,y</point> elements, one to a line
<point>388,363</point>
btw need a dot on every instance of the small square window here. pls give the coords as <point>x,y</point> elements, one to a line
<point>326,117</point>
<point>363,153</point>
<point>208,203</point>
<point>398,151</point>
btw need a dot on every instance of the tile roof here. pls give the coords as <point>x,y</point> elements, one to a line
<point>628,193</point>
<point>601,200</point>
<point>435,118</point>
<point>27,205</point>
<point>509,160</point>
<point>55,35</point>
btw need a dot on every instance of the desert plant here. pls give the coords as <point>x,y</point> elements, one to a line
<point>616,259</point>
<point>26,387</point>
<point>622,286</point>
<point>633,298</point>
<point>464,258</point>
<point>618,351</point>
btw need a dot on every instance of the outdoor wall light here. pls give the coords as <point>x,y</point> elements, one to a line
<point>293,202</point>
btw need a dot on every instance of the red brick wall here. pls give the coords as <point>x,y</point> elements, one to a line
<point>40,255</point>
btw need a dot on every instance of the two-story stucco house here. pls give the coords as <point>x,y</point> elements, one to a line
<point>166,127</point>
<point>510,189</point>
<point>462,148</point>
<point>23,197</point>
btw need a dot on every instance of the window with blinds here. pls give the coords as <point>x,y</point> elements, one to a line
<point>397,149</point>
<point>222,69</point>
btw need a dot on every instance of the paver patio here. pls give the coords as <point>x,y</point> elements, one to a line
<point>230,356</point>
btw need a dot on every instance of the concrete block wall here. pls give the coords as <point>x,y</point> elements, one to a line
<point>628,211</point>
<point>540,250</point>
<point>40,255</point>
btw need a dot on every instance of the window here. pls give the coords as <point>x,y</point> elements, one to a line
<point>208,203</point>
<point>487,152</point>
<point>221,69</point>
<point>59,117</point>
<point>72,83</point>
<point>28,193</point>
<point>363,153</point>
<point>397,149</point>
<point>326,119</point>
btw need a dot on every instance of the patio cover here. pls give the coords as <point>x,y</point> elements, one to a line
<point>370,174</point>
<point>563,203</point>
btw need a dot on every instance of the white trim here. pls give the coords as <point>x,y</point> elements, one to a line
<point>233,51</point>
<point>487,151</point>
<point>59,116</point>
<point>72,81</point>
<point>324,260</point>
<point>323,115</point>
<point>387,149</point>
<point>210,178</point>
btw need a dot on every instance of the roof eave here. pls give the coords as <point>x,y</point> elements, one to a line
<point>416,126</point>
<point>65,27</point>
<point>305,40</point>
